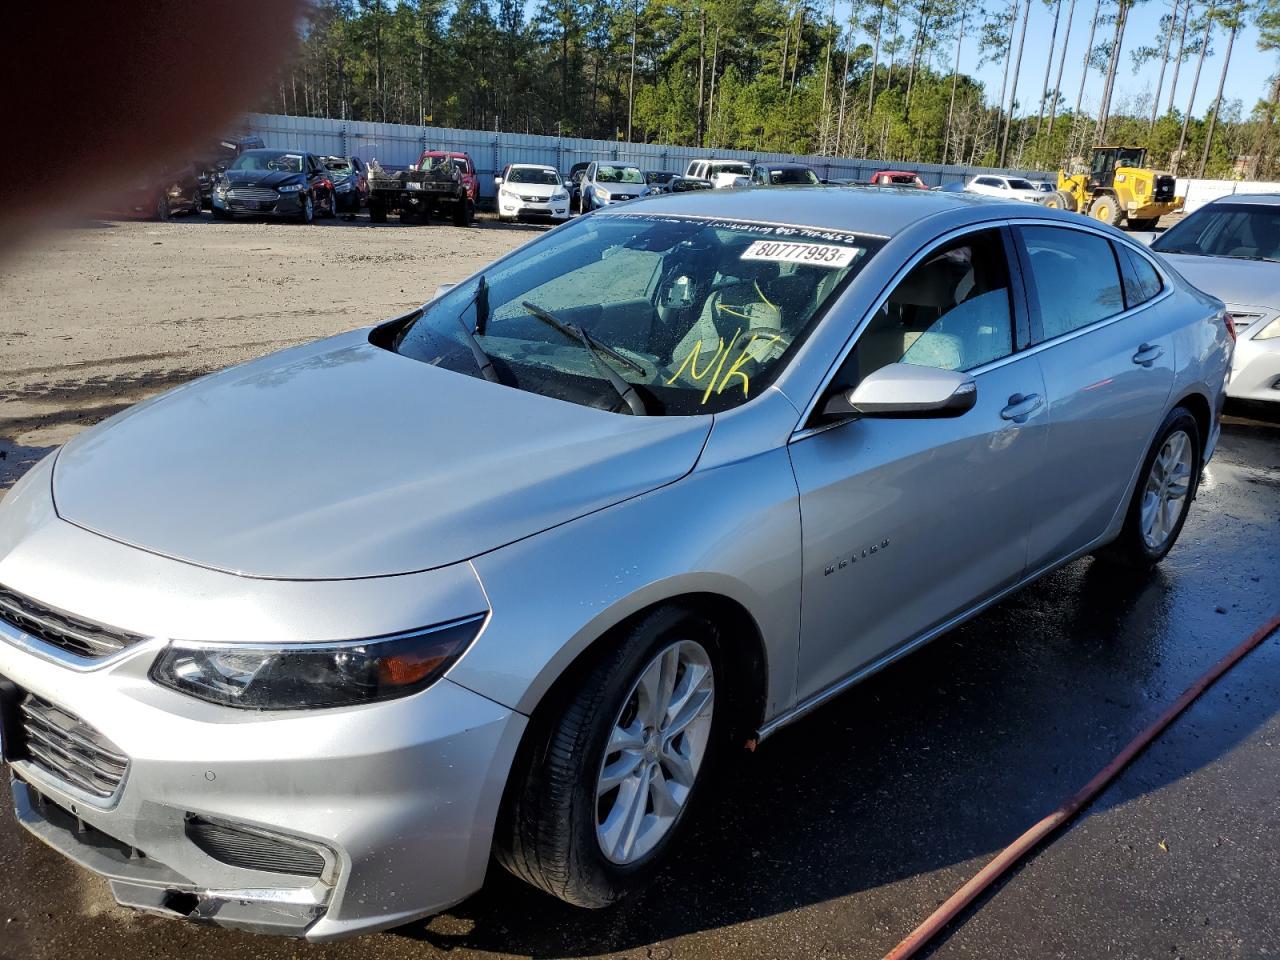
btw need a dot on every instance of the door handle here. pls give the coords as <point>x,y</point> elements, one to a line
<point>1147,355</point>
<point>1020,407</point>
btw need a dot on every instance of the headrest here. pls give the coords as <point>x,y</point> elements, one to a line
<point>928,285</point>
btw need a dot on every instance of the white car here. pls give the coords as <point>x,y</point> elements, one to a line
<point>1230,248</point>
<point>720,173</point>
<point>531,190</point>
<point>1010,188</point>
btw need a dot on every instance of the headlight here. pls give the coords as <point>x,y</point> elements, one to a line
<point>1270,331</point>
<point>291,187</point>
<point>601,192</point>
<point>220,189</point>
<point>560,195</point>
<point>310,676</point>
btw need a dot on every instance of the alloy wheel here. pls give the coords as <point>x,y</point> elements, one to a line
<point>656,747</point>
<point>1168,484</point>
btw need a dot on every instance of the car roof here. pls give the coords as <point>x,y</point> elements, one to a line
<point>872,210</point>
<point>1253,199</point>
<point>785,165</point>
<point>896,173</point>
<point>532,166</point>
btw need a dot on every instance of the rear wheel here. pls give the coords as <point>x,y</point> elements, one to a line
<point>163,211</point>
<point>464,213</point>
<point>1166,486</point>
<point>377,211</point>
<point>1106,209</point>
<point>604,785</point>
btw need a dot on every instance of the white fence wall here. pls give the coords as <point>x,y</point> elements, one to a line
<point>1200,192</point>
<point>399,145</point>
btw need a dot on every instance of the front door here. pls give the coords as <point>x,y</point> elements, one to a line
<point>908,522</point>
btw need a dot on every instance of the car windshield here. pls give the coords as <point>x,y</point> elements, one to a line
<point>610,174</point>
<point>1019,184</point>
<point>268,160</point>
<point>793,175</point>
<point>658,176</point>
<point>741,169</point>
<point>1226,230</point>
<point>338,166</point>
<point>534,175</point>
<point>706,313</point>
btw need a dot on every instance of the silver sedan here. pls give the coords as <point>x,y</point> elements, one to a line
<point>321,634</point>
<point>1231,248</point>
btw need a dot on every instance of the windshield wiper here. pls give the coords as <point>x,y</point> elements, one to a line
<point>483,360</point>
<point>1242,256</point>
<point>625,390</point>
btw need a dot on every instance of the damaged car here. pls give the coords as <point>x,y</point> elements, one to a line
<point>304,646</point>
<point>275,183</point>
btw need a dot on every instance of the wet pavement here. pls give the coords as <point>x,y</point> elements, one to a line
<point>843,831</point>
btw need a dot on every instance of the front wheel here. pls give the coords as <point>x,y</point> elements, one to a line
<point>1166,486</point>
<point>604,785</point>
<point>308,213</point>
<point>1106,209</point>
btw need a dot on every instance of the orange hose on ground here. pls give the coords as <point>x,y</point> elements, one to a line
<point>1011,854</point>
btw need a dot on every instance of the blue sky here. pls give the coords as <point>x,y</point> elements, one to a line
<point>1246,81</point>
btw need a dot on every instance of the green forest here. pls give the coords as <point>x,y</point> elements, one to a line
<point>879,80</point>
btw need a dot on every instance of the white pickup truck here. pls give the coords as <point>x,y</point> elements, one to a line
<point>720,173</point>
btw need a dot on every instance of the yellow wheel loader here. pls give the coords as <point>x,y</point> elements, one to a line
<point>1118,189</point>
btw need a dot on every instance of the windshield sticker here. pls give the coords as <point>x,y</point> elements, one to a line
<point>814,254</point>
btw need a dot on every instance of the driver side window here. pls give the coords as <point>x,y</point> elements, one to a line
<point>952,310</point>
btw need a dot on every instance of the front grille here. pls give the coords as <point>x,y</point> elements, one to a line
<point>82,638</point>
<point>252,194</point>
<point>253,849</point>
<point>1164,187</point>
<point>533,199</point>
<point>622,196</point>
<point>67,748</point>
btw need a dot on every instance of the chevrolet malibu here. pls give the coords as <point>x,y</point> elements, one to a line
<point>300,647</point>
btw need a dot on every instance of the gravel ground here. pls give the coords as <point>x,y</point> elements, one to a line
<point>96,317</point>
<point>846,829</point>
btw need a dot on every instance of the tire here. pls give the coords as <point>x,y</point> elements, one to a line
<point>163,212</point>
<point>1060,200</point>
<point>308,213</point>
<point>550,832</point>
<point>1136,547</point>
<point>377,211</point>
<point>1106,209</point>
<point>331,208</point>
<point>464,213</point>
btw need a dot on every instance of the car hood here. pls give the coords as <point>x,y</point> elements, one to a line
<point>630,189</point>
<point>261,178</point>
<point>533,189</point>
<point>1245,283</point>
<point>340,459</point>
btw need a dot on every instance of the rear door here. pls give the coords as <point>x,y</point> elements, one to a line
<point>908,522</point>
<point>1108,358</point>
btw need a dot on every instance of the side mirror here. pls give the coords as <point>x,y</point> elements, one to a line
<point>904,390</point>
<point>443,289</point>
<point>497,181</point>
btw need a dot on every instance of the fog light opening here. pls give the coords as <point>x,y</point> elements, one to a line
<point>181,902</point>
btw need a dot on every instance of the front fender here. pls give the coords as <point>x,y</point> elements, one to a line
<point>732,530</point>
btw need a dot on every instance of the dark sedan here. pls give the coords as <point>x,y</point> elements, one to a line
<point>350,182</point>
<point>279,183</point>
<point>159,193</point>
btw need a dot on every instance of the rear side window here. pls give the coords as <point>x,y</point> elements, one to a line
<point>1076,279</point>
<point>1141,282</point>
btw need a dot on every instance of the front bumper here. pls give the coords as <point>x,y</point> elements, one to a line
<point>399,797</point>
<point>285,205</point>
<point>1255,373</point>
<point>552,209</point>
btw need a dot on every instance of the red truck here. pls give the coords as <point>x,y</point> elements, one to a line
<point>441,183</point>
